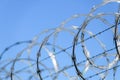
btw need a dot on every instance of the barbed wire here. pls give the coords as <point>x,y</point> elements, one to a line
<point>71,46</point>
<point>47,57</point>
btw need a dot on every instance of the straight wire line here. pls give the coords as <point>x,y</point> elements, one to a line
<point>80,42</point>
<point>102,72</point>
<point>15,44</point>
<point>30,41</point>
<point>70,66</point>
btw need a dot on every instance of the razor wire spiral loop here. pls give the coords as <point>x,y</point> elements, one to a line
<point>49,54</point>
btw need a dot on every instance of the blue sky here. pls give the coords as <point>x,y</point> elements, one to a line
<point>23,19</point>
<point>17,16</point>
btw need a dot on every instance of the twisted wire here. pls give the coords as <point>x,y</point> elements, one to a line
<point>51,66</point>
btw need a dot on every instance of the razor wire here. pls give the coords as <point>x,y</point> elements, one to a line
<point>69,51</point>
